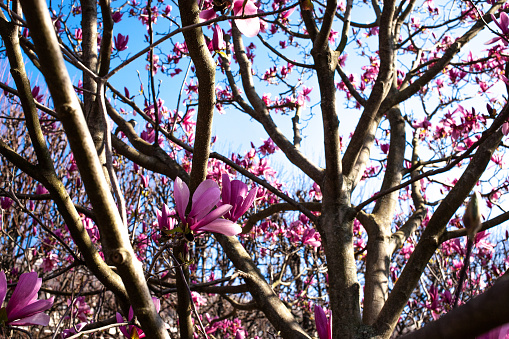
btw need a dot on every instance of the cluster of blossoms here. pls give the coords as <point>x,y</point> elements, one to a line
<point>202,217</point>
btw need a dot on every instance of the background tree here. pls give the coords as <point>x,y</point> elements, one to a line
<point>112,194</point>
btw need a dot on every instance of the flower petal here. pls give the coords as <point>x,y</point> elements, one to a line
<point>248,202</point>
<point>30,309</point>
<point>248,27</point>
<point>123,329</point>
<point>181,193</point>
<point>223,226</point>
<point>203,187</point>
<point>204,203</point>
<point>207,14</point>
<point>25,291</point>
<point>157,303</point>
<point>225,193</point>
<point>3,287</point>
<point>504,22</point>
<point>215,214</point>
<point>36,319</point>
<point>321,322</point>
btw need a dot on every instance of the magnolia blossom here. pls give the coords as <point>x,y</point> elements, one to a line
<point>121,42</point>
<point>235,193</point>
<point>23,308</point>
<point>201,218</point>
<point>308,238</point>
<point>503,24</point>
<point>165,219</point>
<point>323,325</point>
<point>217,42</point>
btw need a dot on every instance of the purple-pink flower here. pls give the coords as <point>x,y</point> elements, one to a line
<point>202,218</point>
<point>503,24</point>
<point>323,325</point>
<point>121,42</point>
<point>235,193</point>
<point>23,308</point>
<point>217,42</point>
<point>116,17</point>
<point>165,219</point>
<point>308,238</point>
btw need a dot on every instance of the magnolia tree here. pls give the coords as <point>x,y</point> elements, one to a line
<point>121,215</point>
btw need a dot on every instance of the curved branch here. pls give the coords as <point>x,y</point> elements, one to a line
<point>261,114</point>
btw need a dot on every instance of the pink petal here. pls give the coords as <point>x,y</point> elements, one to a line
<point>489,42</point>
<point>123,329</point>
<point>248,27</point>
<point>157,303</point>
<point>25,291</point>
<point>238,189</point>
<point>226,188</point>
<point>494,18</point>
<point>31,309</point>
<point>207,15</point>
<point>36,319</point>
<point>205,203</point>
<point>321,322</point>
<point>3,287</point>
<point>223,226</point>
<point>239,8</point>
<point>289,12</point>
<point>215,214</point>
<point>505,128</point>
<point>203,187</point>
<point>504,22</point>
<point>248,202</point>
<point>181,193</point>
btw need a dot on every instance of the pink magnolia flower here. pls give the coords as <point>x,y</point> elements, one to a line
<point>23,308</point>
<point>41,190</point>
<point>217,42</point>
<point>6,203</point>
<point>198,300</point>
<point>117,17</point>
<point>121,42</point>
<point>323,325</point>
<point>201,218</point>
<point>503,24</point>
<point>308,238</point>
<point>165,219</point>
<point>36,93</point>
<point>235,194</point>
<point>128,331</point>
